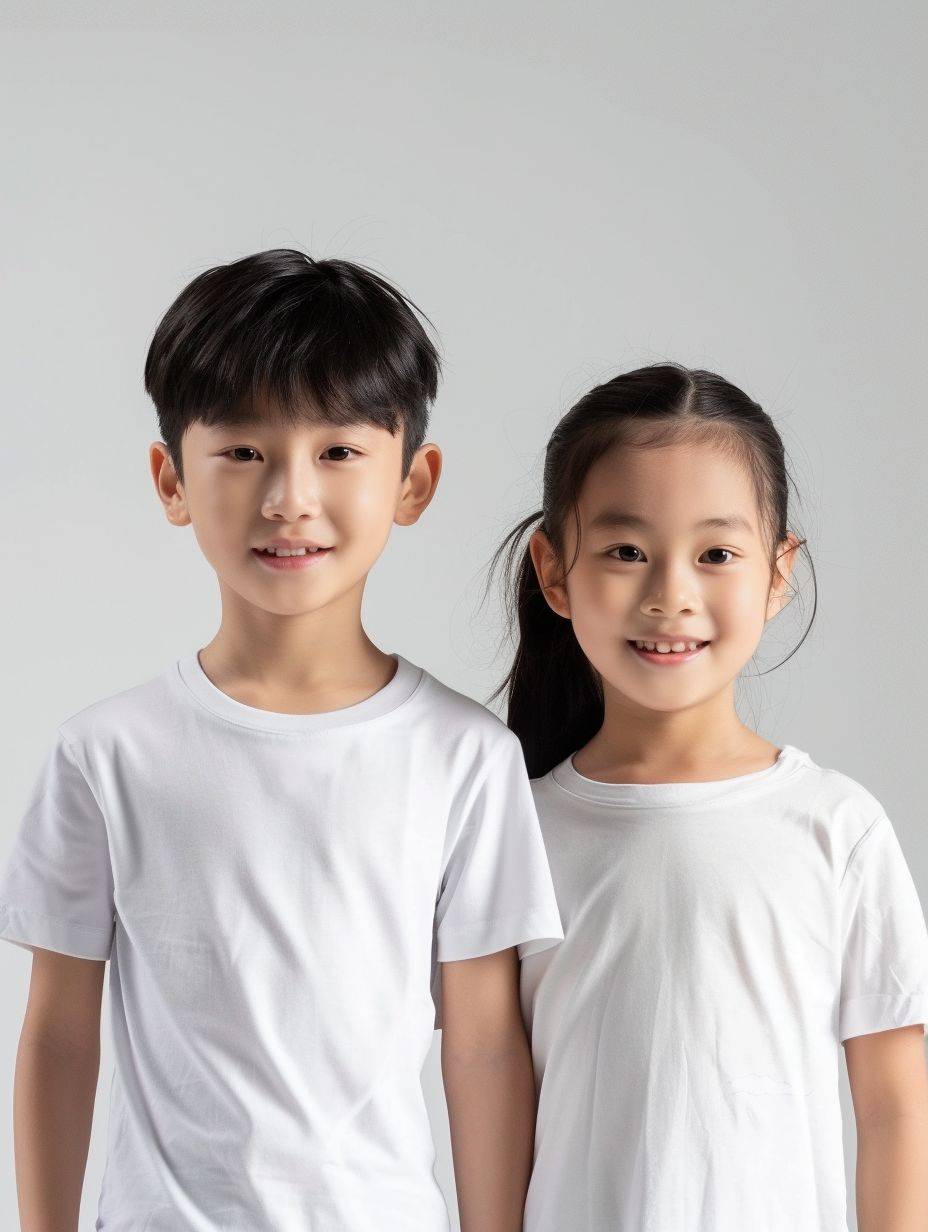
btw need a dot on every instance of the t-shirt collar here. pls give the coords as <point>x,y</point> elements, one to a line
<point>672,795</point>
<point>397,690</point>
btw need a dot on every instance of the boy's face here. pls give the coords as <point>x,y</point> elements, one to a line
<point>327,487</point>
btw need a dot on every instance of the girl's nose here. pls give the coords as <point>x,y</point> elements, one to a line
<point>669,594</point>
<point>657,604</point>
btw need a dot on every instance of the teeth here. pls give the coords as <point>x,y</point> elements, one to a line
<point>666,647</point>
<point>289,551</point>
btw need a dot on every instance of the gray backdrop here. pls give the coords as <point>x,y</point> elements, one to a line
<point>566,190</point>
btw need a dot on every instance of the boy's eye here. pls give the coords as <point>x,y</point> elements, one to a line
<point>628,552</point>
<point>337,453</point>
<point>710,551</point>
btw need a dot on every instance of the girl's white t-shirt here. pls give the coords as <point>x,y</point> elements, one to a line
<point>274,893</point>
<point>721,940</point>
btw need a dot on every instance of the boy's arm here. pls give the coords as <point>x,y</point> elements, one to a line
<point>57,1064</point>
<point>490,1089</point>
<point>889,1085</point>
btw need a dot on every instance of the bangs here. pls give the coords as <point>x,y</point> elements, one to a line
<point>324,340</point>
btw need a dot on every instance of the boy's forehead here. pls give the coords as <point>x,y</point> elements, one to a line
<point>261,408</point>
<point>283,425</point>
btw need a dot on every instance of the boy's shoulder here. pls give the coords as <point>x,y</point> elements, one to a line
<point>453,715</point>
<point>146,703</point>
<point>447,717</point>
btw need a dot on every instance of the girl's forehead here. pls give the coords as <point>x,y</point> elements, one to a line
<point>659,484</point>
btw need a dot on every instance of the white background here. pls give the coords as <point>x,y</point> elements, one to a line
<point>566,190</point>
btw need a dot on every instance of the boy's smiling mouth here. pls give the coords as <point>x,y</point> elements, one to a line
<point>667,651</point>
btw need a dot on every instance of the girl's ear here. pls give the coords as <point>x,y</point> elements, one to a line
<point>780,592</point>
<point>548,572</point>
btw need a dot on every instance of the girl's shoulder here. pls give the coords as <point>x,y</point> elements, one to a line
<point>836,792</point>
<point>842,813</point>
<point>828,804</point>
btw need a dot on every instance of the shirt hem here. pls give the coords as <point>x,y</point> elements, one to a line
<point>487,937</point>
<point>882,1012</point>
<point>30,928</point>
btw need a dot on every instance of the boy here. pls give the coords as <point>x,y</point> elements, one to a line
<point>278,839</point>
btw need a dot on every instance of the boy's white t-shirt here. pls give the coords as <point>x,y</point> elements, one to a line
<point>274,892</point>
<point>721,940</point>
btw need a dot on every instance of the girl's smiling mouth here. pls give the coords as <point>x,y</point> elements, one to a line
<point>669,651</point>
<point>302,558</point>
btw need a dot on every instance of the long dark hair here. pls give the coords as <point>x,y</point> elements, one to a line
<point>555,696</point>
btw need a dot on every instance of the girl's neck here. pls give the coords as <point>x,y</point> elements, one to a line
<point>700,744</point>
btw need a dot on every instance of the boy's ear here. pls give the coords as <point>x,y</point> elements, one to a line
<point>780,591</point>
<point>419,485</point>
<point>548,572</point>
<point>169,488</point>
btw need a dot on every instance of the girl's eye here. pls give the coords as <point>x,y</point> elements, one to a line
<point>241,449</point>
<point>628,552</point>
<point>710,551</point>
<point>343,451</point>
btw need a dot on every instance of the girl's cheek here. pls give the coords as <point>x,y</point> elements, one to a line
<point>599,610</point>
<point>608,590</point>
<point>742,618</point>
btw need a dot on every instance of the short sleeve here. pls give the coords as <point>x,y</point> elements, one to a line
<point>884,976</point>
<point>56,889</point>
<point>496,889</point>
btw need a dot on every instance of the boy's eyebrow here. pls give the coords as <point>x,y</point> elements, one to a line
<point>610,519</point>
<point>233,425</point>
<point>263,421</point>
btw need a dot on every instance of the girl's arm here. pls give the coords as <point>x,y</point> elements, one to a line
<point>490,1088</point>
<point>889,1085</point>
<point>57,1064</point>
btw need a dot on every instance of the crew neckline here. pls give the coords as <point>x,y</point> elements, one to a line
<point>675,795</point>
<point>398,689</point>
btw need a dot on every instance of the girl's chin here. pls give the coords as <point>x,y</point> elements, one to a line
<point>664,706</point>
<point>665,695</point>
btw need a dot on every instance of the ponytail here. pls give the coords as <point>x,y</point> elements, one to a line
<point>555,698</point>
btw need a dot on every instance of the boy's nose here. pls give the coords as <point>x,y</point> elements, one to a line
<point>292,498</point>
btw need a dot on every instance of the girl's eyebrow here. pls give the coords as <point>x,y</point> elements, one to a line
<point>609,519</point>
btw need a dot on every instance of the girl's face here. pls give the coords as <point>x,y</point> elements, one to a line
<point>672,554</point>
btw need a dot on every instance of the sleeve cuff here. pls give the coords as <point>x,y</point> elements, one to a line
<point>882,1012</point>
<point>530,932</point>
<point>29,929</point>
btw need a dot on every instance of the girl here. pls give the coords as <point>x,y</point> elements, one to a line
<point>732,911</point>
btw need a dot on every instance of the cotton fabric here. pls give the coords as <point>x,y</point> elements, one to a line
<point>274,893</point>
<point>721,940</point>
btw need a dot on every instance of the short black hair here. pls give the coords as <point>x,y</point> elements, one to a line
<point>323,339</point>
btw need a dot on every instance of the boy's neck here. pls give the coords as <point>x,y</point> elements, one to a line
<point>306,663</point>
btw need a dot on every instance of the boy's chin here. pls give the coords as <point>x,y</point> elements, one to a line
<point>305,596</point>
